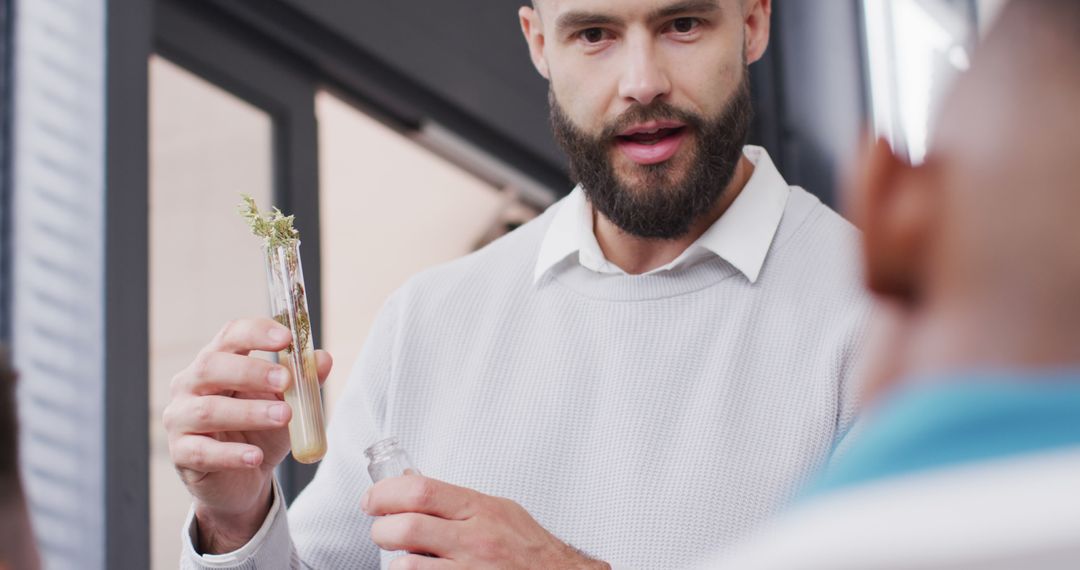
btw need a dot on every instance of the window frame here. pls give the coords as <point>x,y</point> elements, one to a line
<point>127,352</point>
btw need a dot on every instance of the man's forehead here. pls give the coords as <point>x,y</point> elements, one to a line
<point>619,7</point>
<point>575,4</point>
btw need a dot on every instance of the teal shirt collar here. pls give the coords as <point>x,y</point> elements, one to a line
<point>961,418</point>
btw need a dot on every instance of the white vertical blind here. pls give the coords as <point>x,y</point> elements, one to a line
<point>58,232</point>
<point>5,114</point>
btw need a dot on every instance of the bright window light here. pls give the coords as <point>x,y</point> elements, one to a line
<point>914,50</point>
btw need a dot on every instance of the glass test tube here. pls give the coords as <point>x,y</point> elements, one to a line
<point>288,304</point>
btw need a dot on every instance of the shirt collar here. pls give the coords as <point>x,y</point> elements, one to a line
<point>949,419</point>
<point>742,236</point>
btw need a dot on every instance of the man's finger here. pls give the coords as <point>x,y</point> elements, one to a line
<point>418,562</point>
<point>244,335</point>
<point>207,455</point>
<point>323,363</point>
<point>211,414</point>
<point>417,494</point>
<point>215,372</point>
<point>416,533</point>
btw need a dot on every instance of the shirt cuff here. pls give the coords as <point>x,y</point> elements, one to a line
<point>275,526</point>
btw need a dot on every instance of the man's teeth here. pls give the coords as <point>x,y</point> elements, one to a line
<point>650,137</point>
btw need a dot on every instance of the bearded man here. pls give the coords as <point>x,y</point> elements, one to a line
<point>645,372</point>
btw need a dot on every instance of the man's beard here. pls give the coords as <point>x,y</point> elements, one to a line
<point>657,205</point>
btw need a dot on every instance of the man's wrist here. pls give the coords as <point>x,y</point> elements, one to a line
<point>218,533</point>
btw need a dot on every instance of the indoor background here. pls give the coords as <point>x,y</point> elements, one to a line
<point>401,134</point>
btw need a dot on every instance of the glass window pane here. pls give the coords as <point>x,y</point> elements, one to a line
<point>388,208</point>
<point>206,147</point>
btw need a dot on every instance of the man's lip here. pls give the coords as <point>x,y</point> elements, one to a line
<point>650,127</point>
<point>648,154</point>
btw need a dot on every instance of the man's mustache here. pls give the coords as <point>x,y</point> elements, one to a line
<point>661,111</point>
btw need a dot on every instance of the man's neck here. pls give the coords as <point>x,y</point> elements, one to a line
<point>636,255</point>
<point>1001,338</point>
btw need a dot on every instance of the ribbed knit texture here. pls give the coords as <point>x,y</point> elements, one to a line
<point>647,420</point>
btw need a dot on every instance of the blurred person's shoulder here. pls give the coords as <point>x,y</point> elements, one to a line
<point>1017,512</point>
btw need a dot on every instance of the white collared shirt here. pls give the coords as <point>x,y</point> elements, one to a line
<point>741,236</point>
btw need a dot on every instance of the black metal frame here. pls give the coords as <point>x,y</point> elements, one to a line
<point>380,89</point>
<point>127,351</point>
<point>243,63</point>
<point>809,150</point>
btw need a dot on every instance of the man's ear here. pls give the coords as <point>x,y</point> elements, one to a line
<point>533,30</point>
<point>895,205</point>
<point>757,17</point>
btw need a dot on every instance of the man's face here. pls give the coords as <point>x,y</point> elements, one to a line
<point>650,101</point>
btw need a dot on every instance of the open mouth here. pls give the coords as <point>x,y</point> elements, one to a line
<point>651,143</point>
<point>652,137</point>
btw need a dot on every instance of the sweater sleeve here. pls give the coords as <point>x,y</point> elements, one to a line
<point>324,527</point>
<point>852,374</point>
<point>271,546</point>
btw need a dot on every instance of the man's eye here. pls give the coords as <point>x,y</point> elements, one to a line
<point>685,25</point>
<point>593,35</point>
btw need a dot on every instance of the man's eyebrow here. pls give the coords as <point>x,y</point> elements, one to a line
<point>578,20</point>
<point>684,7</point>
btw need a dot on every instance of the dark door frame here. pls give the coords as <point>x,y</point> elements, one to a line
<point>127,351</point>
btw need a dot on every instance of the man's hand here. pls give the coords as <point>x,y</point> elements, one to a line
<point>462,528</point>
<point>226,424</point>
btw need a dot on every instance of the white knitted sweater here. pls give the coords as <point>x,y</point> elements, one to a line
<point>646,420</point>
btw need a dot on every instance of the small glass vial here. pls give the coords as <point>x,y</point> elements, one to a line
<point>388,458</point>
<point>288,304</point>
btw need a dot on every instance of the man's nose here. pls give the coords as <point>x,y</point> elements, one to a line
<point>645,79</point>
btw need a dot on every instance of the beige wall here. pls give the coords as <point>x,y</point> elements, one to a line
<point>389,208</point>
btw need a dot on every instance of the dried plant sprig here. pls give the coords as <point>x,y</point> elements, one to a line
<point>276,229</point>
<point>303,321</point>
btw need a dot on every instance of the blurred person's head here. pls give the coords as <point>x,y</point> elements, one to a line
<point>978,248</point>
<point>17,547</point>
<point>650,100</point>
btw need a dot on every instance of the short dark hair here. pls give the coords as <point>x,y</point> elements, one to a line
<point>9,436</point>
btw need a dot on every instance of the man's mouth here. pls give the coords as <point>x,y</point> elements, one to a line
<point>651,143</point>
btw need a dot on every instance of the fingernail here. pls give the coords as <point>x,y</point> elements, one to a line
<point>364,501</point>
<point>279,335</point>
<point>278,377</point>
<point>277,412</point>
<point>251,457</point>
